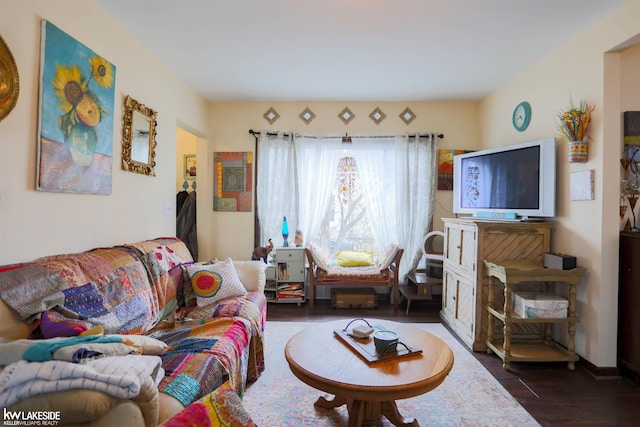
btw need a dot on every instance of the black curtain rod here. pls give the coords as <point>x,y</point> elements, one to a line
<point>254,133</point>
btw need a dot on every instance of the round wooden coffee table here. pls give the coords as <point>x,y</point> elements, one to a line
<point>322,359</point>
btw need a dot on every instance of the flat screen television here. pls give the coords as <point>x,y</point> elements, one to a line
<point>515,182</point>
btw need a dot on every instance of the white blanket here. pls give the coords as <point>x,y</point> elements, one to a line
<point>119,376</point>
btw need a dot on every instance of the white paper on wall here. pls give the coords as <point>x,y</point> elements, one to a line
<point>581,185</point>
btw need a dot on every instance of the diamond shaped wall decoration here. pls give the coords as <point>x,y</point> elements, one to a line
<point>271,115</point>
<point>346,115</point>
<point>377,115</point>
<point>407,115</point>
<point>307,115</point>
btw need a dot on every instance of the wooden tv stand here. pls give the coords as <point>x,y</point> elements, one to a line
<point>465,283</point>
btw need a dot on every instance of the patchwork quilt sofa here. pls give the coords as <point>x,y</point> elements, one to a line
<point>93,337</point>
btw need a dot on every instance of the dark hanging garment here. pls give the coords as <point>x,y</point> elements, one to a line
<point>180,198</point>
<point>186,229</point>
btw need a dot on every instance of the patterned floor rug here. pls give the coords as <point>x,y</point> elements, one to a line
<point>469,396</point>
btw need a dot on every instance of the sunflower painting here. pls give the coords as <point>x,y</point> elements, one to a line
<point>75,135</point>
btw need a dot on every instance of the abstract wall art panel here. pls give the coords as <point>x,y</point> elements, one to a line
<point>232,181</point>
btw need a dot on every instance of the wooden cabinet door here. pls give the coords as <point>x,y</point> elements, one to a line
<point>458,304</point>
<point>461,246</point>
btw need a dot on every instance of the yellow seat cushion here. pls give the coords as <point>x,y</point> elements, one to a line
<point>354,258</point>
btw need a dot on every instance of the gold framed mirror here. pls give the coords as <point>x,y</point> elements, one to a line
<point>138,138</point>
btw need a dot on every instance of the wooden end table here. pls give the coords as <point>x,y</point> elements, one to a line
<point>322,360</point>
<point>419,288</point>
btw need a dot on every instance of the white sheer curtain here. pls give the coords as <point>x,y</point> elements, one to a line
<point>277,195</point>
<point>399,174</point>
<point>376,162</point>
<point>416,176</point>
<point>318,168</point>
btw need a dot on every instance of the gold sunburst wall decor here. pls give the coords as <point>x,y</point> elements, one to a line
<point>9,81</point>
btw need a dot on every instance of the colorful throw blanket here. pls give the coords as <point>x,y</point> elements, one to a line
<point>119,376</point>
<point>124,289</point>
<point>253,307</point>
<point>202,357</point>
<point>222,407</point>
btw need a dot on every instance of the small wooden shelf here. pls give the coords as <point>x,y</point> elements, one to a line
<point>532,351</point>
<point>514,349</point>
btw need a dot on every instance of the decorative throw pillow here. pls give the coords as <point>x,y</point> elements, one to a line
<point>54,324</point>
<point>252,274</point>
<point>388,256</point>
<point>354,258</point>
<point>212,283</point>
<point>320,257</point>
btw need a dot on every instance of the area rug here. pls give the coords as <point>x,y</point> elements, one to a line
<point>469,396</point>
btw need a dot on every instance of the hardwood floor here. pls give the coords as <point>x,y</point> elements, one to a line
<point>552,394</point>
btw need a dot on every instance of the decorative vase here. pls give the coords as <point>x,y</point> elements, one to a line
<point>82,143</point>
<point>578,151</point>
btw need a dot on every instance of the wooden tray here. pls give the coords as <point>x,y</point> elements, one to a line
<point>366,348</point>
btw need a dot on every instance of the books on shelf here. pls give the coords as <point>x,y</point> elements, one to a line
<point>291,290</point>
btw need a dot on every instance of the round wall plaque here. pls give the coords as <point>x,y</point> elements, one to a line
<point>9,84</point>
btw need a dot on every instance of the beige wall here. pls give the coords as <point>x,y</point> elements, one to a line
<point>587,229</point>
<point>231,234</point>
<point>35,223</point>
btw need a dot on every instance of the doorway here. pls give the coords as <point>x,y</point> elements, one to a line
<point>186,185</point>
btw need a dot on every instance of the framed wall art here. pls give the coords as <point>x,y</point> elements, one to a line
<point>190,170</point>
<point>232,181</point>
<point>445,168</point>
<point>76,111</point>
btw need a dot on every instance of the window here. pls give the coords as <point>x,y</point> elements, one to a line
<point>346,224</point>
<point>368,194</point>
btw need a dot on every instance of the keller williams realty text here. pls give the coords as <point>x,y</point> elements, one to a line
<point>31,418</point>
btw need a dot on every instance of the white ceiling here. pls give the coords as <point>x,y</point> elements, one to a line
<point>352,50</point>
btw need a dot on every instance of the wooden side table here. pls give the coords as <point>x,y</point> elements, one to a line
<point>510,274</point>
<point>419,287</point>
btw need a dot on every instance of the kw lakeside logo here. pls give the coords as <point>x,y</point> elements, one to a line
<point>30,418</point>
